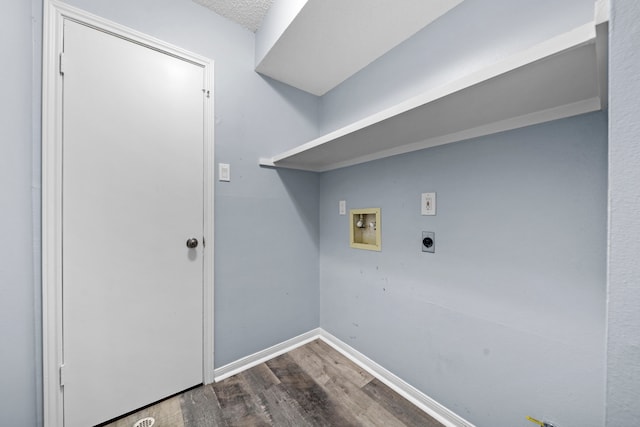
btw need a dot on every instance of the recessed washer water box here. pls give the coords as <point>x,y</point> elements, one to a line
<point>365,229</point>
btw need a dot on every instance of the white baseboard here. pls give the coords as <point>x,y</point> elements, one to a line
<point>262,356</point>
<point>406,390</point>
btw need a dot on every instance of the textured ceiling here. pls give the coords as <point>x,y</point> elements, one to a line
<point>248,13</point>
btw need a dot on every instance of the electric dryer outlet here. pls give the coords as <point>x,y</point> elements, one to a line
<point>428,241</point>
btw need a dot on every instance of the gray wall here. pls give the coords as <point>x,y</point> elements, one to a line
<point>474,34</point>
<point>264,218</point>
<point>264,298</point>
<point>623,327</point>
<point>19,364</point>
<point>507,318</point>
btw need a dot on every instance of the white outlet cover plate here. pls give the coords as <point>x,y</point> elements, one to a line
<point>428,204</point>
<point>342,207</point>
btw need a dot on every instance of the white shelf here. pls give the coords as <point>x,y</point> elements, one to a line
<point>558,78</point>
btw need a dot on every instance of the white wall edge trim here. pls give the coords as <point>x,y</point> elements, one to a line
<point>262,356</point>
<point>602,11</point>
<point>397,384</point>
<point>54,14</point>
<point>404,389</point>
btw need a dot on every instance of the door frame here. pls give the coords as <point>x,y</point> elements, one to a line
<point>55,12</point>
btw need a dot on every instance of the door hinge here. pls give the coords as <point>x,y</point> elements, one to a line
<point>62,375</point>
<point>204,244</point>
<point>61,63</point>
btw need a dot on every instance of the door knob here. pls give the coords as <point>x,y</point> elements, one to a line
<point>192,243</point>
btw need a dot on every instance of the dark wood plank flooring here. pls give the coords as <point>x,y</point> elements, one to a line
<point>313,385</point>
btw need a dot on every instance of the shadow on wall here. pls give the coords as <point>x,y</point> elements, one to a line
<point>303,190</point>
<point>305,104</point>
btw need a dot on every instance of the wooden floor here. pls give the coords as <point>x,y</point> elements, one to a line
<point>313,385</point>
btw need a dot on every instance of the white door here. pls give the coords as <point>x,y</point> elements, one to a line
<point>132,195</point>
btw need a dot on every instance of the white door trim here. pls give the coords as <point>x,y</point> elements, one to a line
<point>55,13</point>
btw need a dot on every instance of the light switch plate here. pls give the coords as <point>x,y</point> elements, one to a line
<point>342,207</point>
<point>428,204</point>
<point>224,172</point>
